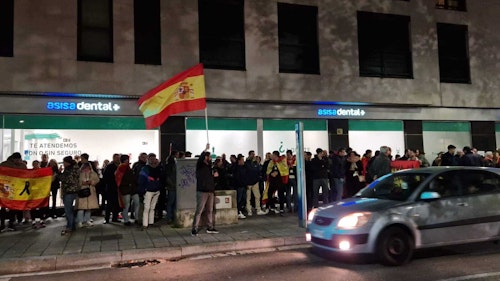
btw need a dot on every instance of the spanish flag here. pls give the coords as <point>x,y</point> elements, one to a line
<point>184,92</point>
<point>24,189</point>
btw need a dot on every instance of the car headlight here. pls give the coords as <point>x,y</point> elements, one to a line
<point>310,216</point>
<point>353,220</point>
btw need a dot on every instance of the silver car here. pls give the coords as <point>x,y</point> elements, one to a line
<point>411,209</point>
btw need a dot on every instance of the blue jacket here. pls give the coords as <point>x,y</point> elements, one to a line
<point>149,179</point>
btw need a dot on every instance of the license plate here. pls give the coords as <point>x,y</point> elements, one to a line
<point>319,234</point>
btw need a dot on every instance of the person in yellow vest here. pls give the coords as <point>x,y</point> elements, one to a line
<point>277,176</point>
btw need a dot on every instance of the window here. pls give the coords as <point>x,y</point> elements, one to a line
<point>298,39</point>
<point>384,45</point>
<point>222,34</point>
<point>6,28</point>
<point>458,5</point>
<point>453,53</point>
<point>95,30</point>
<point>147,32</point>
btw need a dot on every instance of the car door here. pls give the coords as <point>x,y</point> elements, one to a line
<point>481,191</point>
<point>439,221</point>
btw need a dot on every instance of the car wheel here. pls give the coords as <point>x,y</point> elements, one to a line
<point>394,246</point>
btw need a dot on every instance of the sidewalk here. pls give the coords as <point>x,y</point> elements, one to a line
<point>32,250</point>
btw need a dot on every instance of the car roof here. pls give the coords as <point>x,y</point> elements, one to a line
<point>440,169</point>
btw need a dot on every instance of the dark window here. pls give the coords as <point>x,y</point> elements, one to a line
<point>222,34</point>
<point>384,45</point>
<point>458,5</point>
<point>95,30</point>
<point>147,31</point>
<point>6,28</point>
<point>453,53</point>
<point>298,39</point>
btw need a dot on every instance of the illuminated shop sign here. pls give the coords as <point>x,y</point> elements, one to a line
<point>82,106</point>
<point>343,112</point>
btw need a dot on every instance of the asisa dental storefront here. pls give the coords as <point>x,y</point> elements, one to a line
<point>67,125</point>
<point>100,125</point>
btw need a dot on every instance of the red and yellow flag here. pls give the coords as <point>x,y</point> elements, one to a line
<point>24,189</point>
<point>184,92</point>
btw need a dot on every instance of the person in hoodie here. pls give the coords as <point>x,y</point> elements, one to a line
<point>150,184</point>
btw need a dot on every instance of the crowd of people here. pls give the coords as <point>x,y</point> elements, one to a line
<point>142,193</point>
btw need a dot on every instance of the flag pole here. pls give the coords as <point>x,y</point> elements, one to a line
<point>206,124</point>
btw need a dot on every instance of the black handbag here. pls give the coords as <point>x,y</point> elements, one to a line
<point>84,192</point>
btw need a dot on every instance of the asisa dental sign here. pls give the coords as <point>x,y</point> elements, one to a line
<point>342,112</point>
<point>82,106</point>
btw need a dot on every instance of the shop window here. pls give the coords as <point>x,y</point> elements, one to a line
<point>222,34</point>
<point>384,45</point>
<point>458,5</point>
<point>147,32</point>
<point>298,39</point>
<point>95,30</point>
<point>453,53</point>
<point>6,28</point>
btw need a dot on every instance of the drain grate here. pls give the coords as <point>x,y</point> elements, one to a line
<point>106,237</point>
<point>132,264</point>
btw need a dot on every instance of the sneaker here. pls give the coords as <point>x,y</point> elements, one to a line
<point>276,211</point>
<point>212,231</point>
<point>194,232</point>
<point>241,215</point>
<point>88,224</point>
<point>79,225</point>
<point>260,212</point>
<point>249,214</point>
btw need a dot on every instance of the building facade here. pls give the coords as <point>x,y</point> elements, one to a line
<point>417,73</point>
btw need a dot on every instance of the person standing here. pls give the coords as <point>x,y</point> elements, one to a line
<point>448,158</point>
<point>338,173</point>
<point>381,166</point>
<point>70,185</point>
<point>354,180</point>
<point>150,182</point>
<point>277,176</point>
<point>239,177</point>
<point>54,187</point>
<point>319,169</point>
<point>127,187</point>
<point>291,189</point>
<point>88,179</point>
<point>205,192</point>
<point>14,161</point>
<point>171,185</point>
<point>45,161</point>
<point>111,190</point>
<point>252,183</point>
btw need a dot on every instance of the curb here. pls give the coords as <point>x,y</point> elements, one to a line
<point>109,259</point>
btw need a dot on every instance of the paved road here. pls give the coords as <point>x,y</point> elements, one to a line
<point>479,262</point>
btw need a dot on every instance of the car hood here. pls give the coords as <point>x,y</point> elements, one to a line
<point>353,205</point>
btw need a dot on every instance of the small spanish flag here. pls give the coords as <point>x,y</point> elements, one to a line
<point>24,189</point>
<point>184,92</point>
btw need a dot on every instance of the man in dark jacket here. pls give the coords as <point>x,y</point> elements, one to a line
<point>205,192</point>
<point>319,169</point>
<point>253,175</point>
<point>337,172</point>
<point>382,164</point>
<point>469,158</point>
<point>111,189</point>
<point>448,158</point>
<point>239,177</point>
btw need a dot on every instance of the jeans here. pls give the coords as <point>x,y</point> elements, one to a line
<point>317,183</point>
<point>241,195</point>
<point>150,200</point>
<point>171,204</point>
<point>256,193</point>
<point>339,188</point>
<point>126,205</point>
<point>83,216</point>
<point>68,201</point>
<point>204,203</point>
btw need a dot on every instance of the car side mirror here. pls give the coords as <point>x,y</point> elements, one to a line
<point>429,196</point>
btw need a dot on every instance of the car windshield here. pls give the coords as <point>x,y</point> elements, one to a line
<point>397,187</point>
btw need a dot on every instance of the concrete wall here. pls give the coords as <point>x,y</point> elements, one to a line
<point>45,37</point>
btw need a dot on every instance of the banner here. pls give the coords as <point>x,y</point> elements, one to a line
<point>25,189</point>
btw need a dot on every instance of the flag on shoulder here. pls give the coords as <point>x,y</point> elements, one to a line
<point>183,92</point>
<point>22,189</point>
